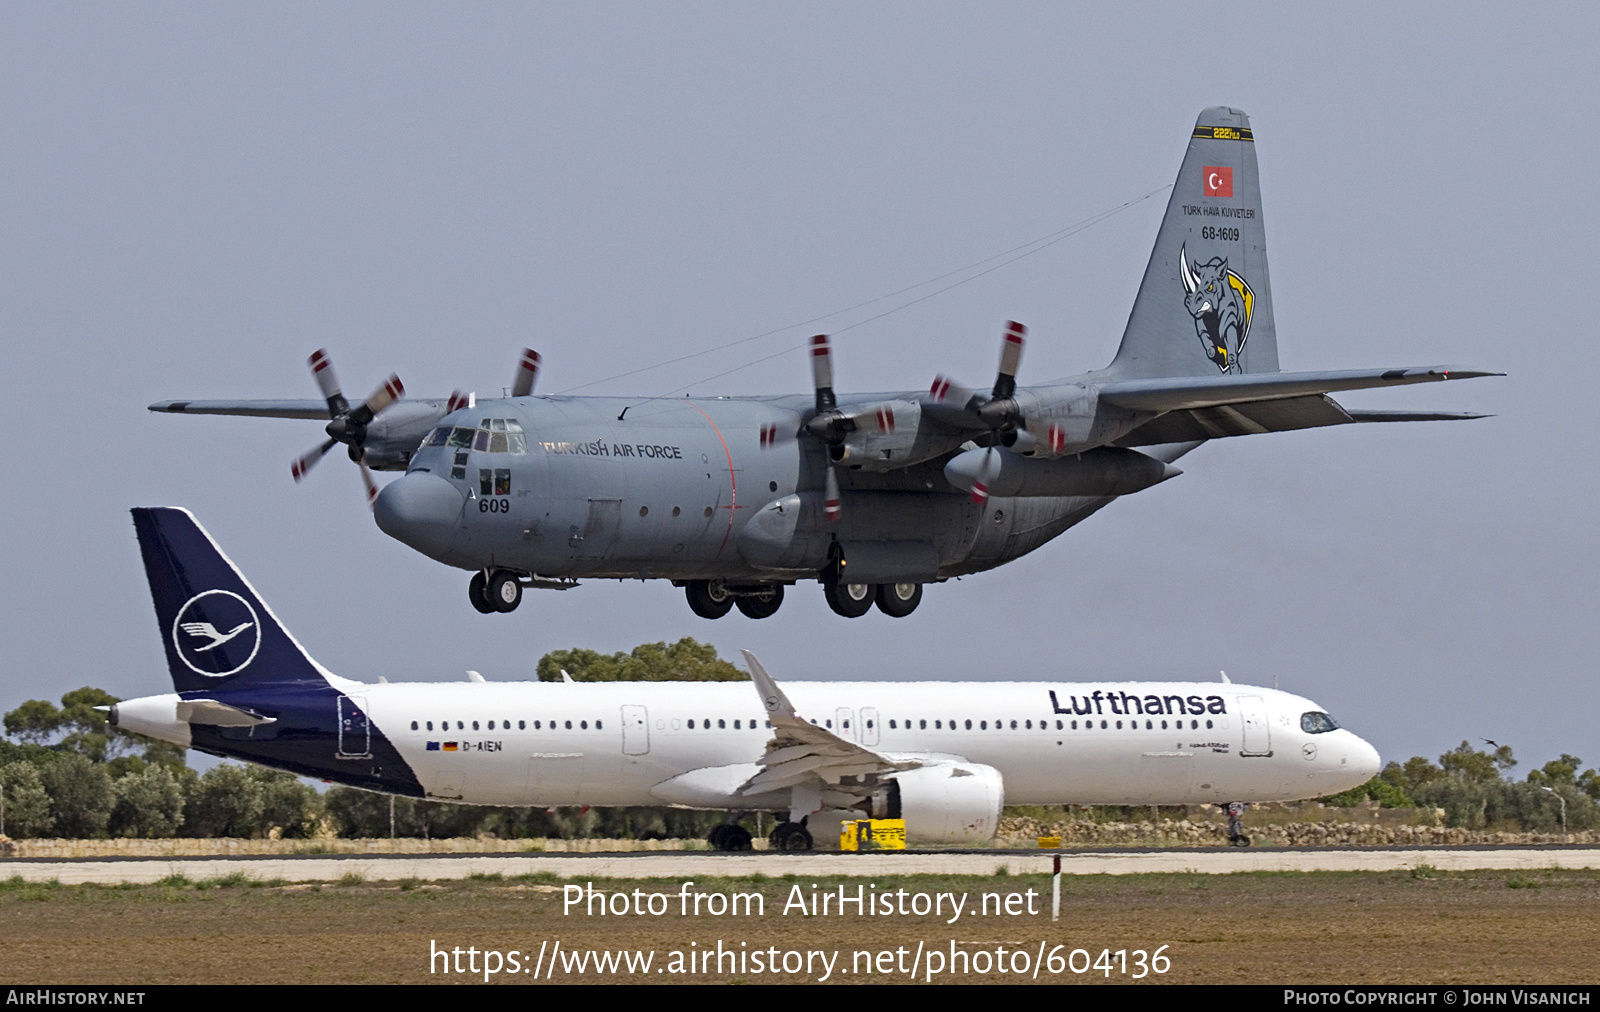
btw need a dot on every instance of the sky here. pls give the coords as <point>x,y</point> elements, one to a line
<point>199,195</point>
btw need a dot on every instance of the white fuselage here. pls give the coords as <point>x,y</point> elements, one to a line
<point>545,743</point>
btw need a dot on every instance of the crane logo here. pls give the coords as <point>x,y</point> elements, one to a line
<point>217,633</point>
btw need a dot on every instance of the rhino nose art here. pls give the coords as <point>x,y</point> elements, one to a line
<point>420,510</point>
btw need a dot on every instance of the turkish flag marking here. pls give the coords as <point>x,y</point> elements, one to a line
<point>1219,180</point>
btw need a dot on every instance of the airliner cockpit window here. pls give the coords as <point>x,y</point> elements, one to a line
<point>1317,723</point>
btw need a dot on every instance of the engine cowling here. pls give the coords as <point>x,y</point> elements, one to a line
<point>947,802</point>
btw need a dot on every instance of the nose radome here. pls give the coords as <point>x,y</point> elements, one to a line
<point>1364,759</point>
<point>421,510</point>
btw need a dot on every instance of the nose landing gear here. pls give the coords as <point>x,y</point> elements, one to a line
<point>497,591</point>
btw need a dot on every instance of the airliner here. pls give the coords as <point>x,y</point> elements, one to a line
<point>943,756</point>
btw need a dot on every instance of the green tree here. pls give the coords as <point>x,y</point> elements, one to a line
<point>27,805</point>
<point>80,796</point>
<point>684,661</point>
<point>1557,771</point>
<point>1472,764</point>
<point>149,803</point>
<point>288,805</point>
<point>225,801</point>
<point>35,722</point>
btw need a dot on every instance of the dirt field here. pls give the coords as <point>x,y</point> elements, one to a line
<point>1399,927</point>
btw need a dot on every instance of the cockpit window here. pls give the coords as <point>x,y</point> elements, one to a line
<point>1317,723</point>
<point>497,435</point>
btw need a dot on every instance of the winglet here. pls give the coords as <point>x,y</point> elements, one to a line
<point>772,697</point>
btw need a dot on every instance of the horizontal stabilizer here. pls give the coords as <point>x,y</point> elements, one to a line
<point>291,408</point>
<point>1183,393</point>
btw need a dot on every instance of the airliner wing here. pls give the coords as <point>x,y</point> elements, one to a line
<point>802,753</point>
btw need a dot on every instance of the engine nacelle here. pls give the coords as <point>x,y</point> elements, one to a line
<point>950,802</point>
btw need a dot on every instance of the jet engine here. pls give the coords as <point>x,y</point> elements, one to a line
<point>949,802</point>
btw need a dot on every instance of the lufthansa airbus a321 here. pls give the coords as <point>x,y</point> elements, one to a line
<point>872,495</point>
<point>943,756</point>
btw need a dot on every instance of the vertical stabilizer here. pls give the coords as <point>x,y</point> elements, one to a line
<point>217,631</point>
<point>1205,305</point>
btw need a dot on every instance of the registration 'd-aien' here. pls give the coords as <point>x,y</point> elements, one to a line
<point>943,756</point>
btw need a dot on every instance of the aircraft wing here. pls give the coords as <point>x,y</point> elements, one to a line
<point>292,408</point>
<point>1187,393</point>
<point>1214,407</point>
<point>801,753</point>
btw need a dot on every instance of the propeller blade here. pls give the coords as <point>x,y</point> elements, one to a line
<point>328,382</point>
<point>822,373</point>
<point>458,400</point>
<point>372,486</point>
<point>947,391</point>
<point>773,433</point>
<point>1005,385</point>
<point>980,488</point>
<point>831,510</point>
<point>527,373</point>
<point>387,393</point>
<point>306,461</point>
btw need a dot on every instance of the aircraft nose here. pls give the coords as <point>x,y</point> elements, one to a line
<point>421,510</point>
<point>1364,759</point>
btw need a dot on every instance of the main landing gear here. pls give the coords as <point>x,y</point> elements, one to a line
<point>790,836</point>
<point>852,600</point>
<point>499,590</point>
<point>714,599</point>
<point>730,836</point>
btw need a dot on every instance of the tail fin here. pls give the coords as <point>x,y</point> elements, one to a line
<point>217,631</point>
<point>1205,306</point>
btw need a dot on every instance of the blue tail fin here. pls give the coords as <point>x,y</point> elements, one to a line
<point>217,632</point>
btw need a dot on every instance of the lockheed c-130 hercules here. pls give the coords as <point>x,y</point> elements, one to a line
<point>872,495</point>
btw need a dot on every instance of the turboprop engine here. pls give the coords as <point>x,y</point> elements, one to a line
<point>1102,471</point>
<point>950,802</point>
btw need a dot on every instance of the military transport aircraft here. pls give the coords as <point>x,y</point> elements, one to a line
<point>943,756</point>
<point>873,495</point>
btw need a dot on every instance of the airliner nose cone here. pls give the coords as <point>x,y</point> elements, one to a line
<point>421,510</point>
<point>1364,760</point>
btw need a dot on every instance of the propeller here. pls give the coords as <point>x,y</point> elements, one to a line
<point>986,473</point>
<point>830,425</point>
<point>956,404</point>
<point>346,425</point>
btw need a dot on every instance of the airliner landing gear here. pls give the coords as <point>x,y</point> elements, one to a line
<point>1236,835</point>
<point>852,600</point>
<point>708,598</point>
<point>898,600</point>
<point>496,591</point>
<point>729,836</point>
<point>790,836</point>
<point>762,605</point>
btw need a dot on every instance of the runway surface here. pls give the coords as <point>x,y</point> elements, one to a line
<point>678,865</point>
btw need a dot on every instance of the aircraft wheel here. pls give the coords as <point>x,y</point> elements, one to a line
<point>478,594</point>
<point>729,837</point>
<point>852,600</point>
<point>790,836</point>
<point>899,599</point>
<point>707,598</point>
<point>504,592</point>
<point>761,605</point>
